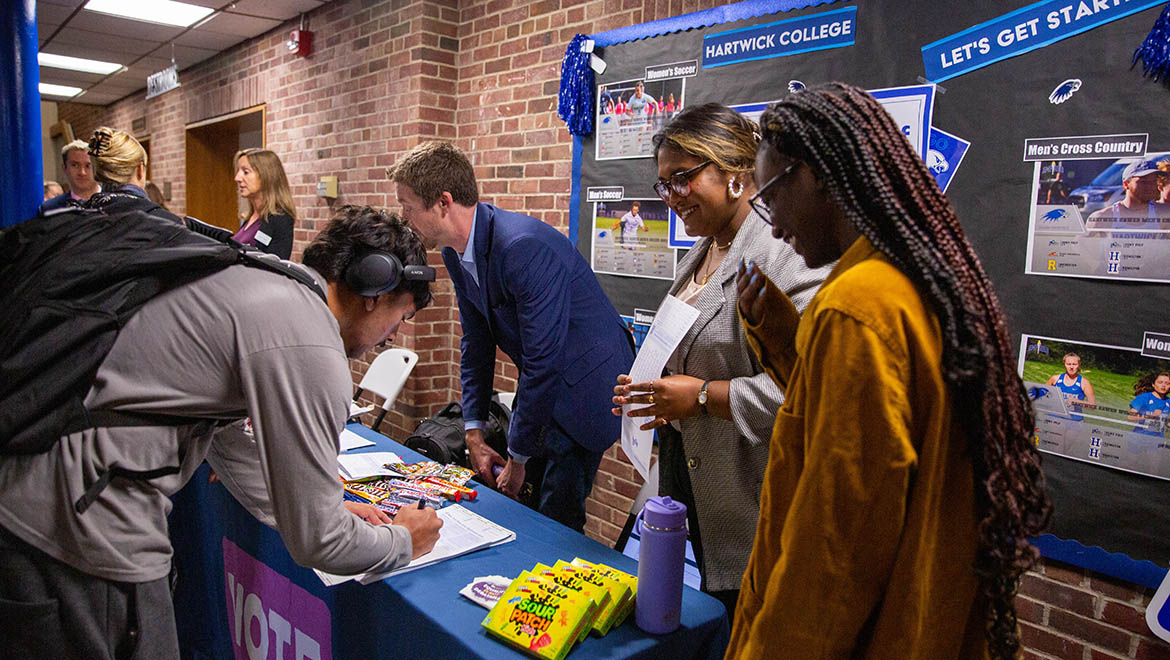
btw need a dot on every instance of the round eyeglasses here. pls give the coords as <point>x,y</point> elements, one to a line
<point>757,201</point>
<point>679,182</point>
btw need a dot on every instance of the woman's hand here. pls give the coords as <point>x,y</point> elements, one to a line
<point>749,284</point>
<point>666,399</point>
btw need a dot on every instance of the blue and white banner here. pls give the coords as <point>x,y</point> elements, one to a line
<point>1021,31</point>
<point>830,29</point>
<point>945,155</point>
<point>913,108</point>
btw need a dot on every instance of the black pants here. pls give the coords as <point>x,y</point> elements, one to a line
<point>51,610</point>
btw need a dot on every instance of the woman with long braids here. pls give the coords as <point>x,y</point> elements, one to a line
<point>902,487</point>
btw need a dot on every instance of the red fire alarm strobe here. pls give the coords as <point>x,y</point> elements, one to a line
<point>300,43</point>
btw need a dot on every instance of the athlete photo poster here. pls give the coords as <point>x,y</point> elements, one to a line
<point>1099,208</point>
<point>630,112</point>
<point>631,238</point>
<point>1099,404</point>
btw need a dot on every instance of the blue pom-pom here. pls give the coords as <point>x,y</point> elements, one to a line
<point>575,106</point>
<point>1155,50</point>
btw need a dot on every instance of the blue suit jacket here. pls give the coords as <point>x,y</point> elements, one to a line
<point>539,302</point>
<point>60,201</point>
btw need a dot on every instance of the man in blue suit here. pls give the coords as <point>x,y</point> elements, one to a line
<point>522,287</point>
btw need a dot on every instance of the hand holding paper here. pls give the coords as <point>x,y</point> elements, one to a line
<point>671,323</point>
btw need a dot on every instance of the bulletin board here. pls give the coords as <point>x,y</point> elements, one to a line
<point>1034,115</point>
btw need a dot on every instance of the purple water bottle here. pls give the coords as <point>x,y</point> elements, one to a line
<point>661,553</point>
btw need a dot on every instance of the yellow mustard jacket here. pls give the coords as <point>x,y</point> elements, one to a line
<point>867,530</point>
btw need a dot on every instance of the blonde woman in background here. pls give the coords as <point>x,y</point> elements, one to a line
<point>119,165</point>
<point>261,180</point>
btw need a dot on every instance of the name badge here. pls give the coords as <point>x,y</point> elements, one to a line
<point>262,238</point>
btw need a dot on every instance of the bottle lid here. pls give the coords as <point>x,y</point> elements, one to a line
<point>664,513</point>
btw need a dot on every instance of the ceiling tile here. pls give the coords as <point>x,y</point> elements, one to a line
<point>187,56</point>
<point>278,9</point>
<point>72,36</point>
<point>239,25</point>
<point>75,78</point>
<point>115,27</point>
<point>89,52</point>
<point>55,14</point>
<point>97,98</point>
<point>207,39</point>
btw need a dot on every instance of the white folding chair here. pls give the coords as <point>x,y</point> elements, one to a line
<point>508,399</point>
<point>386,376</point>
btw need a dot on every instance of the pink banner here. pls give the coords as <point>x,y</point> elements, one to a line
<point>269,616</point>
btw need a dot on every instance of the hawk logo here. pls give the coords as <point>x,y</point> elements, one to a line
<point>795,85</point>
<point>936,161</point>
<point>1064,91</point>
<point>1055,215</point>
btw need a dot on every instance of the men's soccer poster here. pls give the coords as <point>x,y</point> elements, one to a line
<point>1049,146</point>
<point>631,237</point>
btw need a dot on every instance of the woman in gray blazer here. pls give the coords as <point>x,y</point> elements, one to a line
<point>716,395</point>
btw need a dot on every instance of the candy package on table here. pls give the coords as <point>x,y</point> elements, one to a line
<point>630,581</point>
<point>537,621</point>
<point>432,483</point>
<point>603,619</point>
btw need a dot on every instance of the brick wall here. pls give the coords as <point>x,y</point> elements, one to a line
<point>84,118</point>
<point>485,74</point>
<point>1067,612</point>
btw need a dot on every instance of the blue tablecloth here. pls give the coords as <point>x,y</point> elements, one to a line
<point>413,615</point>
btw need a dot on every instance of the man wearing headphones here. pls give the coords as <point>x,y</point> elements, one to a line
<point>241,341</point>
<point>524,288</point>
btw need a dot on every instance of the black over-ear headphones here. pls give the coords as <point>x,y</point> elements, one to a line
<point>374,272</point>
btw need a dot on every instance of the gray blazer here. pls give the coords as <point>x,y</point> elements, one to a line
<point>726,459</point>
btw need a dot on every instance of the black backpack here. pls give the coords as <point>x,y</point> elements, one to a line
<point>76,277</point>
<point>441,437</point>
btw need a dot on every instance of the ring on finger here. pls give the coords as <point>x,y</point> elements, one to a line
<point>650,400</point>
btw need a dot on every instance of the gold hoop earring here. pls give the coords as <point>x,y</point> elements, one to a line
<point>732,190</point>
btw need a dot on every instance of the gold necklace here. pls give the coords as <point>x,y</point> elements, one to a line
<point>711,271</point>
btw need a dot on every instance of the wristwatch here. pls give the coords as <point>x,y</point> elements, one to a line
<point>703,396</point>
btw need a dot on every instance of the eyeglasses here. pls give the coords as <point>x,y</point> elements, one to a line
<point>757,202</point>
<point>679,182</point>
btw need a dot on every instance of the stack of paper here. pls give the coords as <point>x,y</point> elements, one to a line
<point>367,465</point>
<point>462,532</point>
<point>350,440</point>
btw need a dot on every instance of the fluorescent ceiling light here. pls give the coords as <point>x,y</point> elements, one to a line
<point>166,12</point>
<point>59,90</point>
<point>77,64</point>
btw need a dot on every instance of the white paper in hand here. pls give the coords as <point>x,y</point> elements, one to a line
<point>670,324</point>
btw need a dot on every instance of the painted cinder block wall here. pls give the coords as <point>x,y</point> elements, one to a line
<point>485,74</point>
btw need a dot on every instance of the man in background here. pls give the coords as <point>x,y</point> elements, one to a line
<point>1139,209</point>
<point>52,189</point>
<point>524,288</point>
<point>78,173</point>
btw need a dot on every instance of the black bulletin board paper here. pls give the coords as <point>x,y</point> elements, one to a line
<point>995,108</point>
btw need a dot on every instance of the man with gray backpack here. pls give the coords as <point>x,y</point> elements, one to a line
<point>124,341</point>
